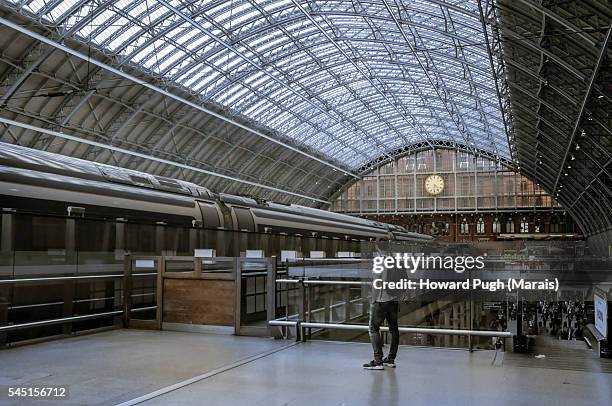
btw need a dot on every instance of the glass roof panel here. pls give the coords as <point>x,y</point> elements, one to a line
<point>351,79</point>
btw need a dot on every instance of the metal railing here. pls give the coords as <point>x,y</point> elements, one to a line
<point>68,278</point>
<point>302,323</point>
<point>418,330</point>
<point>14,327</point>
<point>118,294</point>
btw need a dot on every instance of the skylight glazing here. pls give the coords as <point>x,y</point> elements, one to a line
<point>354,80</point>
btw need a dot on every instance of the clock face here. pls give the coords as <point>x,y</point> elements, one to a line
<point>434,184</point>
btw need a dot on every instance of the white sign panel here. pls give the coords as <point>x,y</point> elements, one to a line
<point>288,254</point>
<point>254,254</point>
<point>601,315</point>
<point>204,253</point>
<point>144,263</point>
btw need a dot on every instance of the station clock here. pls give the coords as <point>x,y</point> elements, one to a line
<point>434,184</point>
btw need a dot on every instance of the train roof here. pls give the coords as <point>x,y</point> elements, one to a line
<point>28,158</point>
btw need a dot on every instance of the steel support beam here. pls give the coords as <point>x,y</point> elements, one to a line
<point>587,96</point>
<point>156,89</point>
<point>152,158</point>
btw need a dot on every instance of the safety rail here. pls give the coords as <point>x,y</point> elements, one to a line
<point>69,278</point>
<point>86,297</point>
<point>323,282</point>
<point>302,323</point>
<point>418,330</point>
<point>63,320</point>
<point>293,260</point>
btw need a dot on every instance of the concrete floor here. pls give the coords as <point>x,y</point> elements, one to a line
<point>115,366</point>
<point>118,366</point>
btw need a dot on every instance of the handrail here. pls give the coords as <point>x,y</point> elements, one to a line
<point>252,274</point>
<point>297,260</point>
<point>95,299</point>
<point>144,309</point>
<point>282,323</point>
<point>323,282</point>
<point>320,309</point>
<point>63,320</point>
<point>288,281</point>
<point>60,321</point>
<point>58,278</point>
<point>69,278</point>
<point>422,330</point>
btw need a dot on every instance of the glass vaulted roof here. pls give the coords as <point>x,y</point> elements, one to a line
<point>353,80</point>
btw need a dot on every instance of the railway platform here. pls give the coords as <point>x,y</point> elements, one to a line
<point>128,367</point>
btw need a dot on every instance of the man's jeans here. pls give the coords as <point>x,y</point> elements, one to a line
<point>379,311</point>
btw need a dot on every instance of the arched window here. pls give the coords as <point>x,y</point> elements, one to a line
<point>510,226</point>
<point>524,225</point>
<point>496,226</point>
<point>480,226</point>
<point>465,227</point>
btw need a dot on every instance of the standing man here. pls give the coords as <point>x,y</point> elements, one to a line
<point>384,306</point>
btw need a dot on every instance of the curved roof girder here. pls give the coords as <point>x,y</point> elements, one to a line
<point>78,106</point>
<point>250,22</point>
<point>571,155</point>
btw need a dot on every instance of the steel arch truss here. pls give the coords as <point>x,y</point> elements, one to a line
<point>46,93</point>
<point>353,80</point>
<point>557,61</point>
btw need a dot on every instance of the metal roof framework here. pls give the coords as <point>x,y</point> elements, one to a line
<point>352,80</point>
<point>304,96</point>
<point>555,57</point>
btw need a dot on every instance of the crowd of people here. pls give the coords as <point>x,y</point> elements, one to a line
<point>564,319</point>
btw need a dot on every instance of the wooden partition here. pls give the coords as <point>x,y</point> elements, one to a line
<point>200,296</point>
